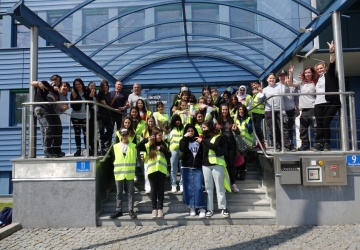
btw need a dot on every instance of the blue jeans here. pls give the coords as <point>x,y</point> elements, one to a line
<point>174,161</point>
<point>192,183</point>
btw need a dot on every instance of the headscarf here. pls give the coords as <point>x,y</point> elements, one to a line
<point>240,97</point>
<point>196,134</point>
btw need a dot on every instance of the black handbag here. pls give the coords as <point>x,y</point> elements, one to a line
<point>242,145</point>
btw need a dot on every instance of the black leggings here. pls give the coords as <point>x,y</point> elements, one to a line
<point>157,184</point>
<point>79,124</point>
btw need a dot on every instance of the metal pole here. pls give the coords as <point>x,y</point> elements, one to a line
<point>273,124</point>
<point>336,25</point>
<point>34,43</point>
<point>95,130</point>
<point>353,123</point>
<point>23,133</point>
<point>87,129</point>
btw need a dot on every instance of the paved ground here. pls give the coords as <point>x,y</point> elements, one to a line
<point>188,237</point>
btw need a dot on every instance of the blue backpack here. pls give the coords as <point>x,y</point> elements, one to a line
<point>6,216</point>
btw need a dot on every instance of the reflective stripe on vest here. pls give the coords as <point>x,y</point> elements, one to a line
<point>244,131</point>
<point>260,109</point>
<point>213,159</point>
<point>157,164</point>
<point>219,160</point>
<point>176,136</point>
<point>124,166</point>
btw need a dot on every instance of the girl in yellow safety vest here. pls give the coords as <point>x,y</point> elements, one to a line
<point>214,168</point>
<point>244,124</point>
<point>156,161</point>
<point>177,129</point>
<point>127,124</point>
<point>143,112</point>
<point>161,119</point>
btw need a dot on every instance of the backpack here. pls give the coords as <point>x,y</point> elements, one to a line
<point>5,216</point>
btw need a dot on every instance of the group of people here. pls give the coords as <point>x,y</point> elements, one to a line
<point>197,137</point>
<point>317,109</point>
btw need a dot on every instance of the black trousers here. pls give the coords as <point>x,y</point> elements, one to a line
<point>79,125</point>
<point>324,114</point>
<point>157,184</point>
<point>257,120</point>
<point>306,120</point>
<point>290,123</point>
<point>269,123</point>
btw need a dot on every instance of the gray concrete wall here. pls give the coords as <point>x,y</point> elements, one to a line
<point>325,205</point>
<point>54,204</point>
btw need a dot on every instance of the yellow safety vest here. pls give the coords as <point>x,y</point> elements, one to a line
<point>198,128</point>
<point>259,109</point>
<point>244,131</point>
<point>157,164</point>
<point>176,136</point>
<point>161,117</point>
<point>124,166</point>
<point>185,118</point>
<point>219,160</point>
<point>139,130</point>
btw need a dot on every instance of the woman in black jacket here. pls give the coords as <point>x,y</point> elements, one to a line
<point>191,171</point>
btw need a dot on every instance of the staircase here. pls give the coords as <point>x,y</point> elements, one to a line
<point>251,206</point>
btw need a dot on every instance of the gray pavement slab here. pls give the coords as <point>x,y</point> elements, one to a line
<point>188,237</point>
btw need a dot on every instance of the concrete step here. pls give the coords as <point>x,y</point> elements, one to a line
<point>145,219</point>
<point>177,206</point>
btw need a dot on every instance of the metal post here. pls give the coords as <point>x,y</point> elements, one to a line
<point>281,124</point>
<point>353,131</point>
<point>336,25</point>
<point>95,130</point>
<point>273,124</point>
<point>87,129</point>
<point>23,133</point>
<point>34,42</point>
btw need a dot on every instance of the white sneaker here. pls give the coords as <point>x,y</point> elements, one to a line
<point>181,189</point>
<point>173,189</point>
<point>234,188</point>
<point>202,213</point>
<point>147,191</point>
<point>192,211</point>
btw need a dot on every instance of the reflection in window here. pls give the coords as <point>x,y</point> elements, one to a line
<point>242,18</point>
<point>22,35</point>
<point>205,11</point>
<point>65,27</point>
<point>164,14</point>
<point>17,99</point>
<point>129,23</point>
<point>91,20</point>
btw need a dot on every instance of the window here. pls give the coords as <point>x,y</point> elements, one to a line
<point>22,35</point>
<point>1,31</point>
<point>242,18</point>
<point>18,97</point>
<point>65,27</point>
<point>205,11</point>
<point>91,20</point>
<point>129,23</point>
<point>167,13</point>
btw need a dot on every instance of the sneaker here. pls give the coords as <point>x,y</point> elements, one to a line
<point>181,189</point>
<point>173,189</point>
<point>257,146</point>
<point>135,179</point>
<point>202,213</point>
<point>209,213</point>
<point>132,214</point>
<point>160,213</point>
<point>225,212</point>
<point>154,213</point>
<point>290,148</point>
<point>116,215</point>
<point>147,191</point>
<point>192,211</point>
<point>234,188</point>
<point>326,147</point>
<point>304,147</point>
<point>317,147</point>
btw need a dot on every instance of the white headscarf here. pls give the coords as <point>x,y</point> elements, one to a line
<point>241,97</point>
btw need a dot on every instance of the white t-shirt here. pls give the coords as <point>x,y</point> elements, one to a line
<point>320,88</point>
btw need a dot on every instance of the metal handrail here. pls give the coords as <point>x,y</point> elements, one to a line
<point>352,115</point>
<point>96,104</point>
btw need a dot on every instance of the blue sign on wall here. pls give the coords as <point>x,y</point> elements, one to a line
<point>83,166</point>
<point>353,160</point>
